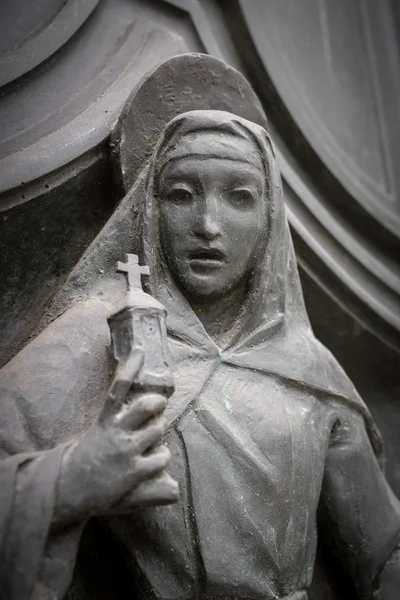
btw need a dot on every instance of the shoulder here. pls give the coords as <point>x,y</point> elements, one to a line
<point>353,427</point>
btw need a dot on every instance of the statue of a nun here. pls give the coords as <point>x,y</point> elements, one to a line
<point>265,427</point>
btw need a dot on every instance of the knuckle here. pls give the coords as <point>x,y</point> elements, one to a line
<point>160,457</point>
<point>140,405</point>
<point>159,428</point>
<point>147,406</point>
<point>161,402</point>
<point>166,452</point>
<point>162,424</point>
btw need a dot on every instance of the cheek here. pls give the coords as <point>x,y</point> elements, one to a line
<point>244,230</point>
<point>173,229</point>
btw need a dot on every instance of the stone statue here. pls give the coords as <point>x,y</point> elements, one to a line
<point>265,430</point>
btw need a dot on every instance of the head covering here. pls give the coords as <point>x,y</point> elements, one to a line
<point>210,144</point>
<point>272,333</point>
<point>191,132</point>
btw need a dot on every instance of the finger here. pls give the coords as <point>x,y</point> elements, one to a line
<point>144,439</point>
<point>131,367</point>
<point>147,467</point>
<point>139,410</point>
<point>160,490</point>
<point>121,384</point>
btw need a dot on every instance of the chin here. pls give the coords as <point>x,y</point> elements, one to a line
<point>203,288</point>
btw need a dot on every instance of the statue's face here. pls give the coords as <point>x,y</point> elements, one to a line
<point>212,215</point>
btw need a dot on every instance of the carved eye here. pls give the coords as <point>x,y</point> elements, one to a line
<point>241,197</point>
<point>179,196</point>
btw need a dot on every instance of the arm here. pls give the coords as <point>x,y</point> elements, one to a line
<point>360,514</point>
<point>46,497</point>
<point>27,503</point>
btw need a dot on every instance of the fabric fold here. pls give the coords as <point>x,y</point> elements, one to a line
<point>27,553</point>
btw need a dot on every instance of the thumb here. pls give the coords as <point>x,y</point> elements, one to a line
<point>124,377</point>
<point>130,368</point>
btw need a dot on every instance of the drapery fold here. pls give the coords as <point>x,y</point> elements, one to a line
<point>35,561</point>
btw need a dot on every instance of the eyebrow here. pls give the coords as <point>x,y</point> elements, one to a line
<point>255,169</point>
<point>170,161</point>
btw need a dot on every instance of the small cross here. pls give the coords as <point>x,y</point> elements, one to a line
<point>133,271</point>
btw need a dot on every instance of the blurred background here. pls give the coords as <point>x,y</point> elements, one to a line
<point>328,75</point>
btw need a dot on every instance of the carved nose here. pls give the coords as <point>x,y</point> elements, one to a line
<point>207,227</point>
<point>207,222</point>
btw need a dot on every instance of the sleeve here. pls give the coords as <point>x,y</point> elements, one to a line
<point>359,513</point>
<point>50,393</point>
<point>35,562</point>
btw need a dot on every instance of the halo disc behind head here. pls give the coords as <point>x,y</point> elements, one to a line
<point>180,84</point>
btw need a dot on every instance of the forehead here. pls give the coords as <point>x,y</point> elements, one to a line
<point>212,168</point>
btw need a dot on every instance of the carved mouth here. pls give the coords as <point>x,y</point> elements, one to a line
<point>207,257</point>
<point>207,254</point>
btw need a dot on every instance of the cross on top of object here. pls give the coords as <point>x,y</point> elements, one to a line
<point>133,271</point>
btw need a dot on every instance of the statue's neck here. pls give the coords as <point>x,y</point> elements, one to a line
<point>218,315</point>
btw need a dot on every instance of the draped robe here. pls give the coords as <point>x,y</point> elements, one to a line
<point>263,430</point>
